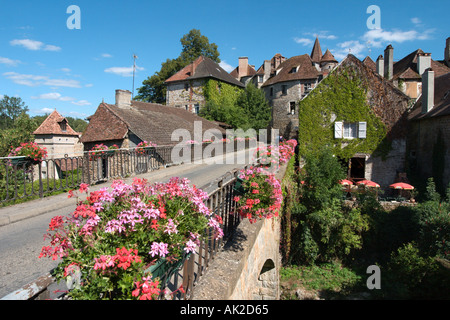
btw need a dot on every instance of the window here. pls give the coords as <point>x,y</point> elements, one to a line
<point>350,130</point>
<point>271,91</point>
<point>63,125</point>
<point>197,108</point>
<point>284,89</point>
<point>292,107</point>
<point>260,78</point>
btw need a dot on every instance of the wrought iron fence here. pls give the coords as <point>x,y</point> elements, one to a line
<point>23,179</point>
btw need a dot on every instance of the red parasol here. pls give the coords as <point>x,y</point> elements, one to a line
<point>345,182</point>
<point>368,183</point>
<point>402,186</point>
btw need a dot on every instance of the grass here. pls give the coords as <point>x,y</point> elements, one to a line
<point>328,281</point>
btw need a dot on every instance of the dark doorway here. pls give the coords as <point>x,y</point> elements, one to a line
<point>357,168</point>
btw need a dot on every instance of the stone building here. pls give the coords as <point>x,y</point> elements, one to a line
<point>290,81</point>
<point>387,103</point>
<point>60,140</point>
<point>185,88</point>
<point>429,130</point>
<point>266,70</point>
<point>127,123</point>
<point>244,72</point>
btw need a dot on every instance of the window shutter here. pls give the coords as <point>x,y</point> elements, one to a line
<point>362,130</point>
<point>338,130</point>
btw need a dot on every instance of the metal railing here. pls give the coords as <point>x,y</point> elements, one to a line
<point>22,179</point>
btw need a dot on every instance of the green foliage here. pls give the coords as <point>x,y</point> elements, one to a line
<point>255,106</point>
<point>10,109</point>
<point>194,44</point>
<point>21,131</point>
<point>327,229</point>
<point>241,108</point>
<point>342,96</point>
<point>411,275</point>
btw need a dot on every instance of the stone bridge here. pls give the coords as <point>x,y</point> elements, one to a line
<point>247,266</point>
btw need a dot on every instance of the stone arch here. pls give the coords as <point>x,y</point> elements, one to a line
<point>268,282</point>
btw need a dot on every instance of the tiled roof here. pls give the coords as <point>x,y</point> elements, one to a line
<point>51,125</point>
<point>406,68</point>
<point>303,65</point>
<point>316,53</point>
<point>204,67</point>
<point>441,100</point>
<point>249,72</point>
<point>149,121</point>
<point>369,62</point>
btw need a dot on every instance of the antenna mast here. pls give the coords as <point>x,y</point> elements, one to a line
<point>134,70</point>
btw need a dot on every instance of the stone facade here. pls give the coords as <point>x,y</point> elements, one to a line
<point>187,95</point>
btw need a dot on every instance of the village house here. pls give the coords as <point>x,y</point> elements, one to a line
<point>185,88</point>
<point>60,140</point>
<point>244,72</point>
<point>266,70</point>
<point>290,82</point>
<point>386,102</point>
<point>407,73</point>
<point>429,130</point>
<point>127,123</point>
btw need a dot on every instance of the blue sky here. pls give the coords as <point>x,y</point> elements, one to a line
<point>52,67</point>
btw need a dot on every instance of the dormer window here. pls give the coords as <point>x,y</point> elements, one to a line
<point>294,70</point>
<point>63,125</point>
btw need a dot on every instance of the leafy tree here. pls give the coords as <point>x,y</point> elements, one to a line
<point>253,102</point>
<point>194,44</point>
<point>10,109</point>
<point>21,131</point>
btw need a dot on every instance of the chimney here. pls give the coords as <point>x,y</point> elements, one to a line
<point>389,62</point>
<point>267,69</point>
<point>243,67</point>
<point>423,62</point>
<point>123,99</point>
<point>380,65</point>
<point>427,90</point>
<point>447,52</point>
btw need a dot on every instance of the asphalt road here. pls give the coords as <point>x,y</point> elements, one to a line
<point>21,241</point>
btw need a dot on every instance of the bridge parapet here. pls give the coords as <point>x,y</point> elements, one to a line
<point>247,266</point>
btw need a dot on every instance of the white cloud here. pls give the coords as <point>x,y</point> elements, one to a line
<point>225,66</point>
<point>353,47</point>
<point>52,96</point>
<point>416,20</point>
<point>123,71</point>
<point>9,62</point>
<point>34,45</point>
<point>106,55</point>
<point>67,70</point>
<point>376,36</point>
<point>81,103</point>
<point>304,41</point>
<point>36,80</point>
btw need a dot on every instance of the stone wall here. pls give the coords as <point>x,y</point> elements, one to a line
<point>180,94</point>
<point>423,150</point>
<point>282,118</point>
<point>385,171</point>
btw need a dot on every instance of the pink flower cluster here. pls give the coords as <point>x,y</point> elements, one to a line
<point>30,150</point>
<point>144,144</point>
<point>263,196</point>
<point>161,220</point>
